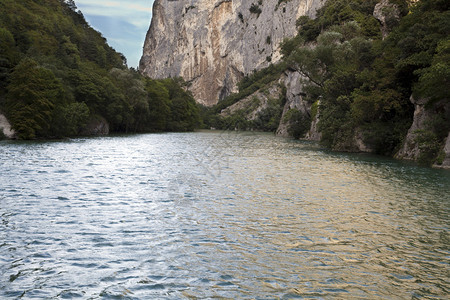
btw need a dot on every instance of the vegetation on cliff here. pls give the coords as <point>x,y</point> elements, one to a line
<point>57,73</point>
<point>364,81</point>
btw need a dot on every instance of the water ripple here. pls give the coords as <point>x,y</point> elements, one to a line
<point>218,215</point>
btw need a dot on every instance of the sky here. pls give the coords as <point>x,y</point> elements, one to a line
<point>124,23</point>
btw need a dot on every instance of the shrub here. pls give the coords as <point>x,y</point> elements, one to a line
<point>255,9</point>
<point>298,123</point>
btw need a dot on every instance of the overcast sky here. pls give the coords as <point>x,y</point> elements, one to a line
<point>124,23</point>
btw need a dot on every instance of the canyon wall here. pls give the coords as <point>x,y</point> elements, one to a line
<point>212,44</point>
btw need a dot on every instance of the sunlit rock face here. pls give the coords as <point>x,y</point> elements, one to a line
<point>212,44</point>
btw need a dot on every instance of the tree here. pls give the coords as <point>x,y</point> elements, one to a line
<point>69,119</point>
<point>184,111</point>
<point>32,96</point>
<point>433,79</point>
<point>158,105</point>
<point>8,56</point>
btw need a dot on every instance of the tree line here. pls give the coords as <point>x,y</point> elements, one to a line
<point>57,74</point>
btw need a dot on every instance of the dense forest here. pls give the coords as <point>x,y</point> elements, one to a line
<point>60,78</point>
<point>360,74</point>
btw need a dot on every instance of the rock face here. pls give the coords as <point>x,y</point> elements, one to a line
<point>254,104</point>
<point>5,127</point>
<point>411,149</point>
<point>293,81</point>
<point>212,44</point>
<point>293,93</point>
<point>388,14</point>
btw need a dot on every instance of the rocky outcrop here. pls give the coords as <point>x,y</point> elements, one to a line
<point>5,127</point>
<point>293,81</point>
<point>388,14</point>
<point>424,115</point>
<point>314,134</point>
<point>410,149</point>
<point>360,144</point>
<point>290,87</point>
<point>256,103</point>
<point>445,163</point>
<point>212,44</point>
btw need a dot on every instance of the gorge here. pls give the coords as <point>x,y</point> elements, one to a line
<point>306,51</point>
<point>213,44</point>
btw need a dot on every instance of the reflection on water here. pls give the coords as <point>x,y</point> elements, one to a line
<point>211,214</point>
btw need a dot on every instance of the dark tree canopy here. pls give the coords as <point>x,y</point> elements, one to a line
<point>57,73</point>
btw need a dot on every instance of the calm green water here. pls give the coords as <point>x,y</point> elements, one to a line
<point>211,214</point>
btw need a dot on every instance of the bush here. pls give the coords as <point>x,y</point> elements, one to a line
<point>255,9</point>
<point>298,123</point>
<point>429,146</point>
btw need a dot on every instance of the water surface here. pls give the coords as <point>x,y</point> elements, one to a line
<point>213,214</point>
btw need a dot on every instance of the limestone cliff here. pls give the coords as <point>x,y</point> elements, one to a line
<point>416,144</point>
<point>212,44</point>
<point>5,128</point>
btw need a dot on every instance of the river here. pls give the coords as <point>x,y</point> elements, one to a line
<point>218,214</point>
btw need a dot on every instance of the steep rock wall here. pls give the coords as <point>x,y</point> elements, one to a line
<point>423,116</point>
<point>5,127</point>
<point>293,81</point>
<point>212,44</point>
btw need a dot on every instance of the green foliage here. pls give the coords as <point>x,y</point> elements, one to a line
<point>298,123</point>
<point>413,44</point>
<point>69,119</point>
<point>237,121</point>
<point>363,82</point>
<point>32,96</point>
<point>338,12</point>
<point>157,107</point>
<point>65,74</point>
<point>309,29</point>
<point>269,118</point>
<point>255,9</point>
<point>8,57</point>
<point>335,122</point>
<point>386,137</point>
<point>250,84</point>
<point>434,78</point>
<point>241,17</point>
<point>8,49</point>
<point>429,146</point>
<point>184,114</point>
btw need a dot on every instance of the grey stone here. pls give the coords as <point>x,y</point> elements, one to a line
<point>388,14</point>
<point>212,44</point>
<point>5,127</point>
